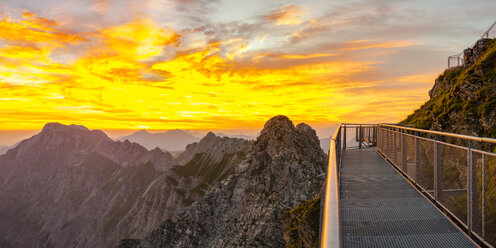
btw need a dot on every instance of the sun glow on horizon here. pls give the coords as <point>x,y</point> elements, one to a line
<point>140,72</point>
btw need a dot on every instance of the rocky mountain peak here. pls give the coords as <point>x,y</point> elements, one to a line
<point>56,134</point>
<point>213,145</point>
<point>245,209</point>
<point>210,136</point>
<point>280,135</point>
<point>143,131</point>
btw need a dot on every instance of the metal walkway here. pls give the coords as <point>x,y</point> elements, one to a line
<point>379,208</point>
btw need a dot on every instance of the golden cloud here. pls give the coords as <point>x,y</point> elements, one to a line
<point>371,44</point>
<point>287,15</point>
<point>139,74</point>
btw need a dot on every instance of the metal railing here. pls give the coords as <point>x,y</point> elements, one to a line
<point>458,173</point>
<point>459,60</point>
<point>360,135</point>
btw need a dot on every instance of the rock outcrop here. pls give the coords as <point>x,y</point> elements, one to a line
<point>471,55</point>
<point>246,209</point>
<point>72,187</point>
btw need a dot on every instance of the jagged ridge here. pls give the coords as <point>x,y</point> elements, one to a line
<point>72,187</point>
<point>246,208</point>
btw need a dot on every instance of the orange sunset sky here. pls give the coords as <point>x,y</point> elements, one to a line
<point>224,65</point>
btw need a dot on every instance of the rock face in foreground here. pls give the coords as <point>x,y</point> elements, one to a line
<point>246,209</point>
<point>72,187</point>
<point>301,224</point>
<point>463,99</point>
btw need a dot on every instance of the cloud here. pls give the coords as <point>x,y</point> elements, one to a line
<point>214,64</point>
<point>287,15</point>
<point>372,44</point>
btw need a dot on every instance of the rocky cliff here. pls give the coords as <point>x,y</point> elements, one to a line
<point>246,208</point>
<point>463,99</point>
<point>72,187</point>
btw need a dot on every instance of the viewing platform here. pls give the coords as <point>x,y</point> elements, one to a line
<point>394,186</point>
<point>381,209</point>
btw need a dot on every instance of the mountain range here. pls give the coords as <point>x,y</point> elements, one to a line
<point>72,187</point>
<point>69,186</point>
<point>246,209</point>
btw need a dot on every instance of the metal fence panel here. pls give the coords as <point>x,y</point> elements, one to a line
<point>425,177</point>
<point>453,191</point>
<point>490,200</point>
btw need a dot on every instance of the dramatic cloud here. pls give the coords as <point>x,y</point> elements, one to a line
<point>287,15</point>
<point>199,64</point>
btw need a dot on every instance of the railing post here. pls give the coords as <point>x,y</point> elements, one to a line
<point>417,158</point>
<point>344,137</point>
<point>376,129</point>
<point>360,137</point>
<point>403,151</point>
<point>473,214</point>
<point>369,137</point>
<point>437,171</point>
<point>483,217</point>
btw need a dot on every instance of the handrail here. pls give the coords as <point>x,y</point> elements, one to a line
<point>431,168</point>
<point>331,227</point>
<point>461,136</point>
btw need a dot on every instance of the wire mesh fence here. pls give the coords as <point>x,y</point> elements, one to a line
<point>358,135</point>
<point>453,186</point>
<point>455,171</point>
<point>489,196</point>
<point>459,59</point>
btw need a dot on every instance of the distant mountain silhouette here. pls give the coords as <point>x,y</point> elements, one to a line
<point>4,148</point>
<point>239,136</point>
<point>172,140</point>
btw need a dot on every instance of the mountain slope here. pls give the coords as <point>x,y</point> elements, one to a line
<point>171,140</point>
<point>463,99</point>
<point>246,209</point>
<point>4,149</point>
<point>71,187</point>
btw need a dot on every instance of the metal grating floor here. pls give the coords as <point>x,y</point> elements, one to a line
<point>381,209</point>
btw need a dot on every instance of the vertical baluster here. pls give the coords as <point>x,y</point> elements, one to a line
<point>403,152</point>
<point>417,160</point>
<point>360,137</point>
<point>437,171</point>
<point>483,218</point>
<point>473,218</point>
<point>344,138</point>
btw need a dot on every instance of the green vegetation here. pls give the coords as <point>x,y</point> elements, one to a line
<point>464,95</point>
<point>301,224</point>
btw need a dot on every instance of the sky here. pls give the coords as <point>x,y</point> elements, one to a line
<point>121,65</point>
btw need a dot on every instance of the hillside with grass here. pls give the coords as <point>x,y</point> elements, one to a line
<point>463,99</point>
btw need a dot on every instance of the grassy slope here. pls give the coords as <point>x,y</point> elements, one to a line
<point>452,107</point>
